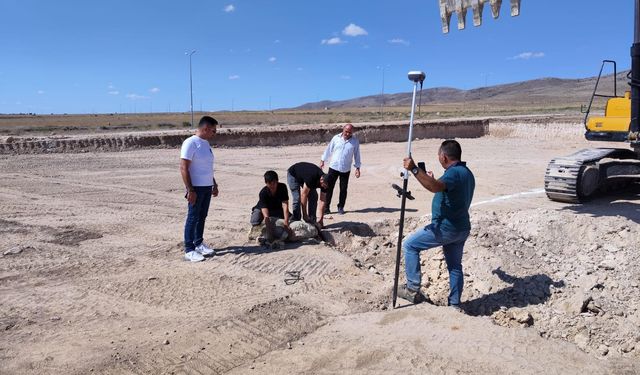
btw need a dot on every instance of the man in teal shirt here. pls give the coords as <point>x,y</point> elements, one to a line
<point>449,226</point>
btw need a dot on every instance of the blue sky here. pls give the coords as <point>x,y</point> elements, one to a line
<point>83,56</point>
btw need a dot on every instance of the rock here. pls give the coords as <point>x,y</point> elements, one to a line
<point>603,350</point>
<point>593,307</point>
<point>582,340</point>
<point>152,278</point>
<point>523,317</point>
<point>13,251</point>
<point>607,264</point>
<point>289,345</point>
<point>576,304</point>
<point>303,230</point>
<point>627,347</point>
<point>166,342</point>
<point>611,248</point>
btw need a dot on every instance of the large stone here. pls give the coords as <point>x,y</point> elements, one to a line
<point>303,230</point>
<point>521,316</point>
<point>576,303</point>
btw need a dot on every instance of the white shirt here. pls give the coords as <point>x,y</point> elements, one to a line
<point>342,152</point>
<point>199,152</point>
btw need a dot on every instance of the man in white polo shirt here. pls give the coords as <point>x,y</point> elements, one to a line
<point>196,168</point>
<point>342,149</point>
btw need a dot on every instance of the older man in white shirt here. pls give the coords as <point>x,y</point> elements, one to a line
<point>343,149</point>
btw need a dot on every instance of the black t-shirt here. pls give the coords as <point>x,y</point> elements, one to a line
<point>273,202</point>
<point>307,173</point>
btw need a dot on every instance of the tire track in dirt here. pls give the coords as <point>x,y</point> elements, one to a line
<point>233,342</point>
<point>94,187</point>
<point>216,290</point>
<point>308,266</point>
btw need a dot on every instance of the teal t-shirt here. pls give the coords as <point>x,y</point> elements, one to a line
<point>450,208</point>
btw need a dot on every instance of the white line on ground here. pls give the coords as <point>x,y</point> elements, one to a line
<point>511,196</point>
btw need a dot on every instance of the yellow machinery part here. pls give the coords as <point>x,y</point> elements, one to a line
<point>617,116</point>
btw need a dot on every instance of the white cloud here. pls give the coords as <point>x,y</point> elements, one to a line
<point>111,86</point>
<point>229,8</point>
<point>399,41</point>
<point>332,41</point>
<point>40,92</point>
<point>136,97</point>
<point>154,90</point>
<point>527,56</point>
<point>299,69</point>
<point>276,41</point>
<point>345,77</point>
<point>354,30</point>
<point>272,59</point>
<point>234,76</point>
<point>113,92</point>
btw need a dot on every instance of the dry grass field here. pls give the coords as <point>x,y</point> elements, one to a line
<point>26,125</point>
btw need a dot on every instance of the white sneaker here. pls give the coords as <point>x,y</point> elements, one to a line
<point>204,249</point>
<point>193,256</point>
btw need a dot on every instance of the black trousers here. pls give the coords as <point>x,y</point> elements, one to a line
<point>344,182</point>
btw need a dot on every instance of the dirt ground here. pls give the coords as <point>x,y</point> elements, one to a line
<point>92,277</point>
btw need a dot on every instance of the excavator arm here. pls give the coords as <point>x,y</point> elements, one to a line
<point>448,7</point>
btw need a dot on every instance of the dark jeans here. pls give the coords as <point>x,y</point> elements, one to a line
<point>312,202</point>
<point>344,181</point>
<point>196,217</point>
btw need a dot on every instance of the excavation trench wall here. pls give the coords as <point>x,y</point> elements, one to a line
<point>247,137</point>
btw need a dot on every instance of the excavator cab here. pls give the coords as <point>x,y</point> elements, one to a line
<point>614,125</point>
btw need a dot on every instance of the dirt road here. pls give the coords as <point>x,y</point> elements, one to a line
<point>92,277</point>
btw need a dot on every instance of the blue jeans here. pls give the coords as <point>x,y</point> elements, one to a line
<point>452,245</point>
<point>312,200</point>
<point>196,217</point>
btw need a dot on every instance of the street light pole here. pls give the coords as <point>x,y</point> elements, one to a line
<point>383,67</point>
<point>191,83</point>
<point>382,96</point>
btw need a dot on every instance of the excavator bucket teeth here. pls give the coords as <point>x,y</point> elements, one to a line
<point>459,7</point>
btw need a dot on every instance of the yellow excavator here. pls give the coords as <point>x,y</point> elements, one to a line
<point>577,177</point>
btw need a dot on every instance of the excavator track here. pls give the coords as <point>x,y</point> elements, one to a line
<point>569,179</point>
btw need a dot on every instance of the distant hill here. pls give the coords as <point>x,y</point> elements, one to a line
<point>542,91</point>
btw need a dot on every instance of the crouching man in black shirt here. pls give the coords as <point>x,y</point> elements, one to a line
<point>273,204</point>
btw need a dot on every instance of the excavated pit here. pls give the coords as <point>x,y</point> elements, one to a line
<point>569,274</point>
<point>239,137</point>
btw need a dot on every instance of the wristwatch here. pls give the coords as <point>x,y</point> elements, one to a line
<point>415,171</point>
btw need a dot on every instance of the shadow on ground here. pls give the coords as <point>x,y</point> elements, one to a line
<point>382,210</point>
<point>258,249</point>
<point>525,291</point>
<point>353,227</point>
<point>625,203</point>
